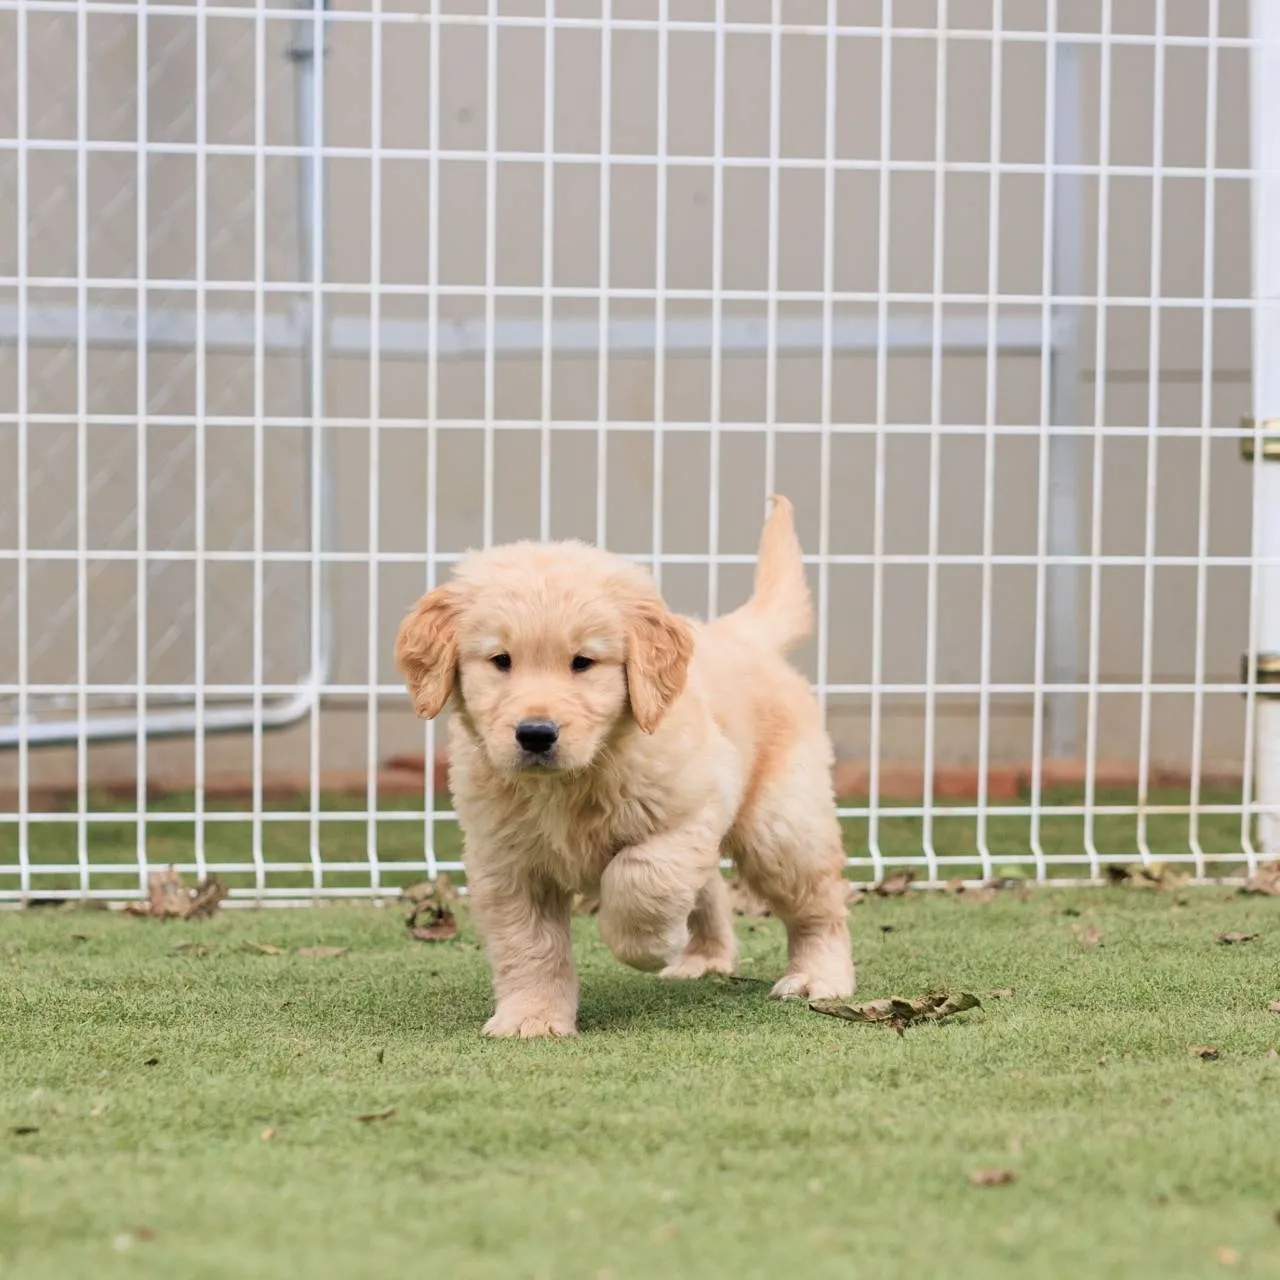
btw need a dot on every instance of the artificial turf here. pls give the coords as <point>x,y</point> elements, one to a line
<point>192,1110</point>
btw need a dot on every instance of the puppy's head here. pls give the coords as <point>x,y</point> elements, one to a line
<point>547,650</point>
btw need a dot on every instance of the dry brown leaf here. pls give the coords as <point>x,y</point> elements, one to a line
<point>1273,1054</point>
<point>1087,935</point>
<point>169,899</point>
<point>267,1134</point>
<point>321,953</point>
<point>896,885</point>
<point>745,901</point>
<point>261,949</point>
<point>190,947</point>
<point>1205,1052</point>
<point>897,1012</point>
<point>441,890</point>
<point>432,922</point>
<point>1001,993</point>
<point>1274,1007</point>
<point>369,1117</point>
<point>991,1177</point>
<point>1234,939</point>
<point>1265,880</point>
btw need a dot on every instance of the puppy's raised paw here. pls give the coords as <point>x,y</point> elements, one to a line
<point>529,1026</point>
<point>695,966</point>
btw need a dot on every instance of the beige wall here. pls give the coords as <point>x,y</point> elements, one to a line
<point>404,481</point>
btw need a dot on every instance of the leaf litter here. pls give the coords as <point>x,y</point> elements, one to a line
<point>1235,939</point>
<point>991,1177</point>
<point>430,916</point>
<point>169,898</point>
<point>900,1013</point>
<point>321,953</point>
<point>1265,881</point>
<point>369,1117</point>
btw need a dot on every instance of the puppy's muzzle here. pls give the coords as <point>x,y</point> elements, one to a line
<point>537,737</point>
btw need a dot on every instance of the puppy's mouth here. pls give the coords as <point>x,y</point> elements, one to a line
<point>538,762</point>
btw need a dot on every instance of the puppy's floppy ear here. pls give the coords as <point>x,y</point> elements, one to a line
<point>427,650</point>
<point>659,648</point>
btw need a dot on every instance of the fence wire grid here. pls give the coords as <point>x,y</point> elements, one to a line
<point>299,303</point>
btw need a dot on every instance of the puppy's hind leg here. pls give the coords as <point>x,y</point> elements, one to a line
<point>788,848</point>
<point>712,947</point>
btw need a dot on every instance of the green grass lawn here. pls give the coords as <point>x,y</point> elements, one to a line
<point>693,1130</point>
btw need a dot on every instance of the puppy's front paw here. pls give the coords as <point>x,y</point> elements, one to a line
<point>529,1026</point>
<point>804,986</point>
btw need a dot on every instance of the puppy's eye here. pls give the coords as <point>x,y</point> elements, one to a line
<point>581,663</point>
<point>502,661</point>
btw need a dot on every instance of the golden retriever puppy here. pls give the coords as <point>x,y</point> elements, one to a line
<point>601,744</point>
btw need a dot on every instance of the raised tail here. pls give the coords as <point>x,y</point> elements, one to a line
<point>780,610</point>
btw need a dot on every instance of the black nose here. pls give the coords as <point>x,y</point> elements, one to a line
<point>537,736</point>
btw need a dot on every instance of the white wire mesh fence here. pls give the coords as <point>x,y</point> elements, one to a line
<point>297,304</point>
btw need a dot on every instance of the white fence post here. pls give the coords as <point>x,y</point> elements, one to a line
<point>1266,401</point>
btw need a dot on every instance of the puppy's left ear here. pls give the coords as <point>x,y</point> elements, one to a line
<point>427,651</point>
<point>659,649</point>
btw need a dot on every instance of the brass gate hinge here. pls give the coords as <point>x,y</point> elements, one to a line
<point>1270,439</point>
<point>1266,673</point>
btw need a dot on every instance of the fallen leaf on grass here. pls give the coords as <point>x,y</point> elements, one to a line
<point>440,890</point>
<point>1205,1052</point>
<point>24,1130</point>
<point>432,922</point>
<point>98,1111</point>
<point>261,949</point>
<point>745,901</point>
<point>1234,939</point>
<point>975,894</point>
<point>1273,1054</point>
<point>897,1012</point>
<point>991,1177</point>
<point>151,1062</point>
<point>1153,875</point>
<point>1265,880</point>
<point>1087,935</point>
<point>368,1117</point>
<point>321,953</point>
<point>192,948</point>
<point>267,1134</point>
<point>1274,1007</point>
<point>896,885</point>
<point>169,899</point>
<point>1001,993</point>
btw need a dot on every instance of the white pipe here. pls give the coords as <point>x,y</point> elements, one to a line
<point>1265,104</point>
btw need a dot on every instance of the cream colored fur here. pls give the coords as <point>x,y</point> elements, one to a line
<point>683,741</point>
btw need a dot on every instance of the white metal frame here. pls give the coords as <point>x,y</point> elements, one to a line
<point>1061,673</point>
